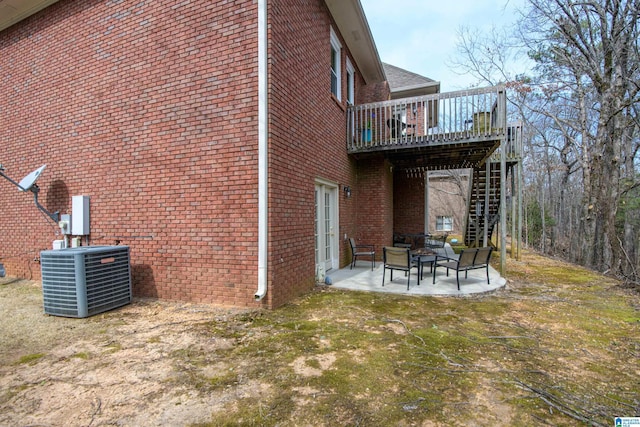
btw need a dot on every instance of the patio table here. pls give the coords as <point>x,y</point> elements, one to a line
<point>423,256</point>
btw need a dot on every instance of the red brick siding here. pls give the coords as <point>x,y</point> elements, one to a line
<point>307,141</point>
<point>149,108</point>
<point>408,203</point>
<point>374,197</point>
<point>373,92</point>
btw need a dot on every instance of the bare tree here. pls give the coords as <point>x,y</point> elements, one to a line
<point>582,99</point>
<point>591,48</point>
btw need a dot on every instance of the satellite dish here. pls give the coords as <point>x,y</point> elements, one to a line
<point>28,181</point>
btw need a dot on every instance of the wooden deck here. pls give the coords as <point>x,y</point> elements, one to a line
<point>443,131</point>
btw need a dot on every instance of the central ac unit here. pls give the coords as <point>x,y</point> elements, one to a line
<point>81,282</point>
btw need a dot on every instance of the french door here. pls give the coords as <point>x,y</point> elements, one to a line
<point>326,226</point>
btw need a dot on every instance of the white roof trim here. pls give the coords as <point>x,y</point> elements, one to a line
<point>354,29</point>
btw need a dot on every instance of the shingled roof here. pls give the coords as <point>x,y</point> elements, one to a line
<point>403,83</point>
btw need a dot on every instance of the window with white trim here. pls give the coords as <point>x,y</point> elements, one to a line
<point>351,73</point>
<point>444,223</point>
<point>336,54</point>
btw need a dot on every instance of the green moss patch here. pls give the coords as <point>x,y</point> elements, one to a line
<point>544,350</point>
<point>30,359</point>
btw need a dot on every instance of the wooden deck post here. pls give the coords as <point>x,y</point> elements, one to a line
<point>426,202</point>
<point>502,115</point>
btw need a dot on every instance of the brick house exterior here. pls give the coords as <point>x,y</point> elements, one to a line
<point>151,108</point>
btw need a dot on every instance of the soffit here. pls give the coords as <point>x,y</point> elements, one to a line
<point>13,11</point>
<point>352,24</point>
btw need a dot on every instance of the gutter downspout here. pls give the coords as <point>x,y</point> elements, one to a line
<point>263,134</point>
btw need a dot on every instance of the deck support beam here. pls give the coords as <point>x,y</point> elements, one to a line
<point>485,208</point>
<point>502,114</point>
<point>426,202</point>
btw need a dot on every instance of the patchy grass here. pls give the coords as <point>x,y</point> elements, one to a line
<point>81,355</point>
<point>30,358</point>
<point>559,345</point>
<point>560,348</point>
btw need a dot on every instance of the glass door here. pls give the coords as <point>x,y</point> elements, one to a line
<point>326,226</point>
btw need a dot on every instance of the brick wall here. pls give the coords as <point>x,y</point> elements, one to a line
<point>373,92</point>
<point>149,108</point>
<point>408,203</point>
<point>307,142</point>
<point>374,196</point>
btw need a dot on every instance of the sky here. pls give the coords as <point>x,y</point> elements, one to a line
<point>421,35</point>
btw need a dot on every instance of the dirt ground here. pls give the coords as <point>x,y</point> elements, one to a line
<point>115,368</point>
<point>562,351</point>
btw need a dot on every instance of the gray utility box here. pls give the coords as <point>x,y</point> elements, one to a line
<point>81,282</point>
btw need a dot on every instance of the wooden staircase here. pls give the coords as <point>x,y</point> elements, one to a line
<point>474,230</point>
<point>475,226</point>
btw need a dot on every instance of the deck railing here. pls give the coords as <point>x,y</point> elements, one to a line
<point>474,114</point>
<point>512,144</point>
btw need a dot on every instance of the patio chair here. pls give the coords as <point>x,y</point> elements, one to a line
<point>438,244</point>
<point>362,250</point>
<point>433,241</point>
<point>398,127</point>
<point>470,259</point>
<point>399,259</point>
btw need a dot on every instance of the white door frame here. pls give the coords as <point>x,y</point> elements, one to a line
<point>327,227</point>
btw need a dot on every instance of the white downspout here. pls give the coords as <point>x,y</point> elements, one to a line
<point>263,176</point>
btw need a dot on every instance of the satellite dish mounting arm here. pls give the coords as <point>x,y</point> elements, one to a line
<point>31,186</point>
<point>7,178</point>
<point>55,216</point>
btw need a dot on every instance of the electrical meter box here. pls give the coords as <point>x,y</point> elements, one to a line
<point>80,212</point>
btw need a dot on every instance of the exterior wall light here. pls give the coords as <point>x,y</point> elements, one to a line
<point>347,191</point>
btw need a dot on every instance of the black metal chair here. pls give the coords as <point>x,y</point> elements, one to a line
<point>398,127</point>
<point>438,244</point>
<point>433,241</point>
<point>362,250</point>
<point>399,259</point>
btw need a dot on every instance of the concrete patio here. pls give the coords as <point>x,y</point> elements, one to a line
<point>362,278</point>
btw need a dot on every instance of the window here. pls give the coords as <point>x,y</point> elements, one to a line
<point>351,72</point>
<point>444,223</point>
<point>336,53</point>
